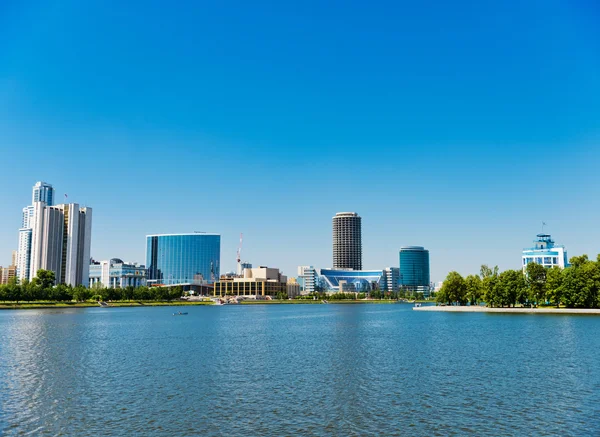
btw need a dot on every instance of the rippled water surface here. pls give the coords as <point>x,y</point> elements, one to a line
<point>311,370</point>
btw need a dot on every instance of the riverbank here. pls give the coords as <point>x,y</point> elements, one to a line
<point>306,301</point>
<point>62,305</point>
<point>49,305</point>
<point>481,309</point>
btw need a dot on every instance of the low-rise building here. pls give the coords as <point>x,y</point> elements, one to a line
<point>7,273</point>
<point>258,281</point>
<point>117,274</point>
<point>293,288</point>
<point>546,253</point>
<point>348,280</point>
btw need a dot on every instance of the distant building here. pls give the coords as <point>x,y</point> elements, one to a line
<point>308,279</point>
<point>10,272</point>
<point>546,253</point>
<point>347,241</point>
<point>391,279</point>
<point>258,281</point>
<point>117,274</point>
<point>352,280</point>
<point>7,273</point>
<point>60,242</point>
<point>176,259</point>
<point>293,288</point>
<point>414,269</point>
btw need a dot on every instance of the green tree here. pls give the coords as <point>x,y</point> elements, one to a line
<point>489,282</point>
<point>454,290</point>
<point>581,282</point>
<point>486,272</point>
<point>45,278</point>
<point>474,289</point>
<point>510,286</point>
<point>81,293</point>
<point>536,280</point>
<point>554,285</point>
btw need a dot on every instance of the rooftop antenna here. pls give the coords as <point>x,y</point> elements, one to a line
<point>239,256</point>
<point>543,226</point>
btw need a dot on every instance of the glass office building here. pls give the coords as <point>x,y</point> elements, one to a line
<point>174,259</point>
<point>351,280</point>
<point>414,268</point>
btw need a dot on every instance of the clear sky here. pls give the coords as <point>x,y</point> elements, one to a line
<point>459,126</point>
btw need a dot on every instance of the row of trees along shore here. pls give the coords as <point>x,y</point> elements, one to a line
<point>577,286</point>
<point>42,288</point>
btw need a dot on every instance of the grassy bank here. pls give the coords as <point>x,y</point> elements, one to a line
<point>49,304</point>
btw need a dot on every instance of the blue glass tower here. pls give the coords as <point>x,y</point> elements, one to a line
<point>414,267</point>
<point>183,258</point>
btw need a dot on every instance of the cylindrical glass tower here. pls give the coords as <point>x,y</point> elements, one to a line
<point>414,267</point>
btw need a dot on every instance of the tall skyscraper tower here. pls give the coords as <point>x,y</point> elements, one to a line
<point>42,192</point>
<point>347,241</point>
<point>60,241</point>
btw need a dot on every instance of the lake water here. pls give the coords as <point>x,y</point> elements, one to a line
<point>310,370</point>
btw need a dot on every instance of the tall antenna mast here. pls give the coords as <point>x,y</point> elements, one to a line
<point>239,256</point>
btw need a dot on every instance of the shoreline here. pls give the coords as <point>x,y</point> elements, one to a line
<point>481,309</point>
<point>63,305</point>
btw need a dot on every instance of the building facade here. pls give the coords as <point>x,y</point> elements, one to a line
<point>363,281</point>
<point>258,281</point>
<point>414,269</point>
<point>117,274</point>
<point>307,279</point>
<point>60,242</point>
<point>175,259</point>
<point>391,279</point>
<point>347,241</point>
<point>7,273</point>
<point>546,253</point>
<point>41,192</point>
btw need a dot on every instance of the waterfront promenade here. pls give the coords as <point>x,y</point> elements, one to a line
<point>482,309</point>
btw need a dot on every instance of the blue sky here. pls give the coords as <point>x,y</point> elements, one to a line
<point>459,126</point>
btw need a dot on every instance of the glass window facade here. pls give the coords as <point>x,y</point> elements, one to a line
<point>414,267</point>
<point>357,280</point>
<point>183,258</point>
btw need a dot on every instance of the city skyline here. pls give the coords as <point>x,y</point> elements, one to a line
<point>26,218</point>
<point>456,138</point>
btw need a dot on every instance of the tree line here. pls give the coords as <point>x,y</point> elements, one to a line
<point>576,286</point>
<point>42,288</point>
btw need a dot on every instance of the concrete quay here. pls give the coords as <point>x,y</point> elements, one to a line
<point>482,309</point>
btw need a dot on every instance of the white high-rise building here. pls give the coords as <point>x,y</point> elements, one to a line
<point>391,276</point>
<point>307,278</point>
<point>42,192</point>
<point>60,241</point>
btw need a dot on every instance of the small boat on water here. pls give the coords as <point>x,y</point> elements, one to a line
<point>179,313</point>
<point>417,305</point>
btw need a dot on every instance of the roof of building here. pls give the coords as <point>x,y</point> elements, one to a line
<point>183,234</point>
